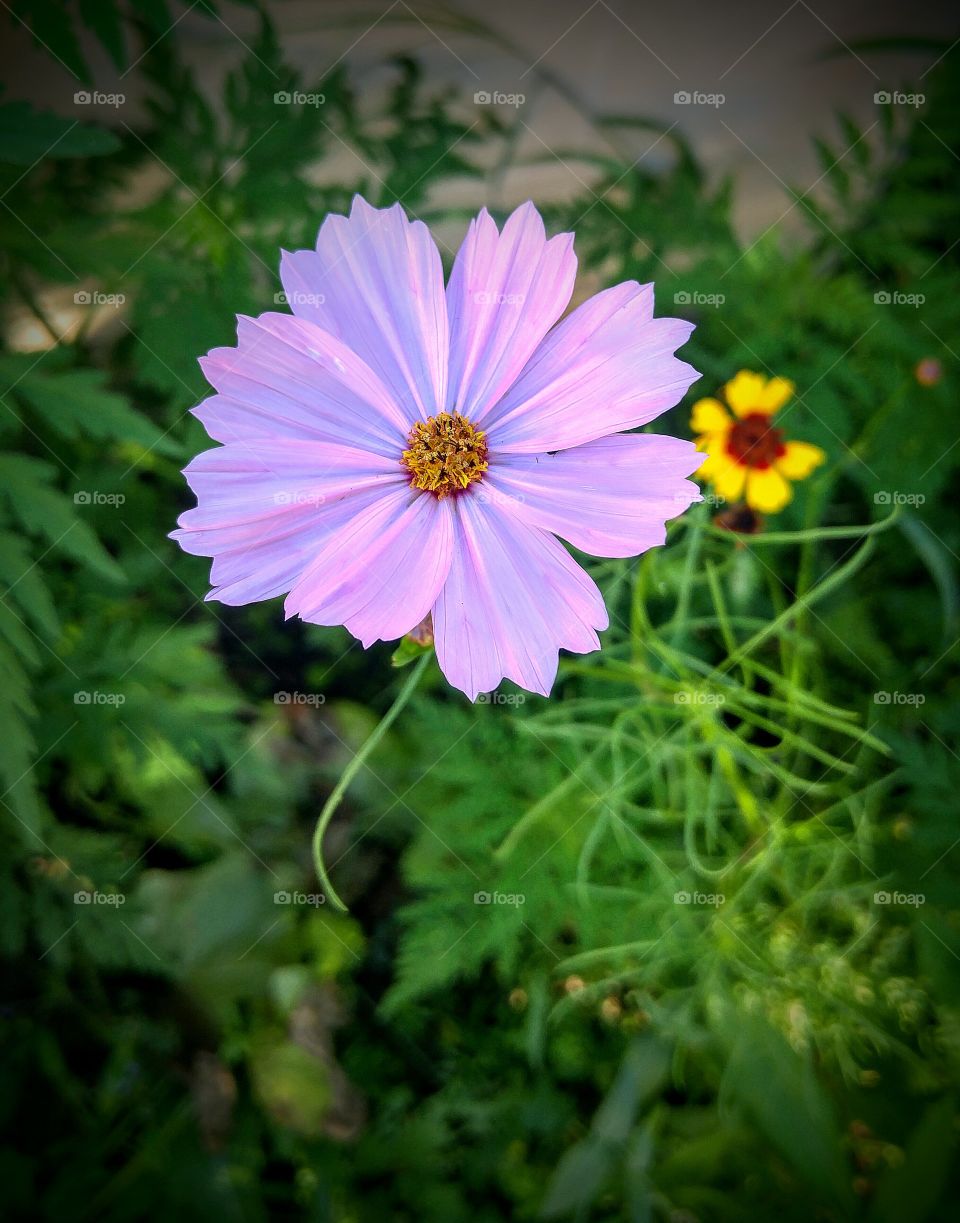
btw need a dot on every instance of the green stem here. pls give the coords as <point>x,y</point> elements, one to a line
<point>359,760</point>
<point>797,537</point>
<point>836,578</point>
<point>682,613</point>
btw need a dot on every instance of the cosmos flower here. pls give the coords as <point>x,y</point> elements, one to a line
<point>748,456</point>
<point>395,447</point>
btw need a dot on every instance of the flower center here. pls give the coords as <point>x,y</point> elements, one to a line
<point>754,442</point>
<point>445,454</point>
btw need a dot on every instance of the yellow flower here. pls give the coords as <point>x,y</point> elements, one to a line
<point>748,456</point>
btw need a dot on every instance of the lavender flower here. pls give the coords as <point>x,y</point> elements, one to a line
<point>395,448</point>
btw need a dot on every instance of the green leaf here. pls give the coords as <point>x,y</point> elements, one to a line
<point>43,511</point>
<point>584,1167</point>
<point>23,579</point>
<point>17,744</point>
<point>642,1073</point>
<point>156,13</point>
<point>577,1179</point>
<point>103,17</point>
<point>910,1192</point>
<point>77,402</point>
<point>782,1095</point>
<point>28,135</point>
<point>51,23</point>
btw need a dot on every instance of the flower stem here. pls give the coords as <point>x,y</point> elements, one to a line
<point>333,802</point>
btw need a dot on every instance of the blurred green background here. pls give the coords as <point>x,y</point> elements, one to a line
<point>679,943</point>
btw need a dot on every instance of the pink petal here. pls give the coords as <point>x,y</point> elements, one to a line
<point>513,598</point>
<point>506,291</point>
<point>250,479</point>
<point>609,366</point>
<point>382,571</point>
<point>610,497</point>
<point>265,509</point>
<point>288,378</point>
<point>376,282</point>
<point>272,565</point>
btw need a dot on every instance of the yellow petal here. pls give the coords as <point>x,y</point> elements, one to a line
<point>744,392</point>
<point>728,478</point>
<point>775,394</point>
<point>709,416</point>
<point>710,465</point>
<point>712,443</point>
<point>715,454</point>
<point>767,490</point>
<point>800,460</point>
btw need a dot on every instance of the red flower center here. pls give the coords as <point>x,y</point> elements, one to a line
<point>754,442</point>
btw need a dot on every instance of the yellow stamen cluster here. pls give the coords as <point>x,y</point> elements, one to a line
<point>445,454</point>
